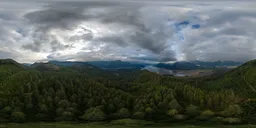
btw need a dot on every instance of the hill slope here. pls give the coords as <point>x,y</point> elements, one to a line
<point>9,67</point>
<point>241,80</point>
<point>45,67</point>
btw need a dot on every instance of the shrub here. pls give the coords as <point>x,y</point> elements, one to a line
<point>202,118</point>
<point>120,114</point>
<point>123,122</point>
<point>7,109</point>
<point>65,116</point>
<point>217,119</point>
<point>43,108</point>
<point>149,110</point>
<point>192,110</point>
<point>207,113</point>
<point>123,113</point>
<point>41,117</point>
<point>180,117</point>
<point>18,116</point>
<point>130,122</point>
<point>111,108</point>
<point>93,114</point>
<point>232,110</point>
<point>138,115</point>
<point>172,112</point>
<point>232,121</point>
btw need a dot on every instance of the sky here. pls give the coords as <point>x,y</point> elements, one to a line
<point>128,30</point>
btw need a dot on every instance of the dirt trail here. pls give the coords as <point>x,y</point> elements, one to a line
<point>253,89</point>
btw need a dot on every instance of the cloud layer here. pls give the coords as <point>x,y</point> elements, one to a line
<point>135,31</point>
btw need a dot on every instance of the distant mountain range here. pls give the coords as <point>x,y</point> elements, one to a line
<point>192,65</point>
<point>118,64</point>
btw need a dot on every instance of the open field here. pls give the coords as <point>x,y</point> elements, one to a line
<point>96,125</point>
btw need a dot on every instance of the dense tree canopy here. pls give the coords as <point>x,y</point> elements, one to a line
<point>72,94</point>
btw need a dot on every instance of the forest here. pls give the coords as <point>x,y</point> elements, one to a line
<point>84,93</point>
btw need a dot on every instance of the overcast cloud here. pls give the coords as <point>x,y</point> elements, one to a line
<point>143,30</point>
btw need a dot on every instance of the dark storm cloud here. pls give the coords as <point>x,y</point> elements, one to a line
<point>56,46</point>
<point>41,39</point>
<point>113,39</point>
<point>153,42</point>
<point>55,18</point>
<point>35,47</point>
<point>68,15</point>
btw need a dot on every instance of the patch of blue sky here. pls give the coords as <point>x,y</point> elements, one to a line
<point>195,26</point>
<point>185,23</point>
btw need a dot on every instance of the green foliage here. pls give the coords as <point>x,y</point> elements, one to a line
<point>18,117</point>
<point>111,108</point>
<point>172,112</point>
<point>241,80</point>
<point>249,111</point>
<point>41,117</point>
<point>120,114</point>
<point>43,108</point>
<point>232,111</point>
<point>207,113</point>
<point>192,110</point>
<point>60,93</point>
<point>59,111</point>
<point>174,105</point>
<point>65,116</point>
<point>138,115</point>
<point>93,114</point>
<point>180,117</point>
<point>130,122</point>
<point>7,109</point>
<point>216,120</point>
<point>149,110</point>
<point>231,120</point>
<point>123,113</point>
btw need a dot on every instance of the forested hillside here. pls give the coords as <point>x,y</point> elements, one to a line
<point>242,80</point>
<point>82,92</point>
